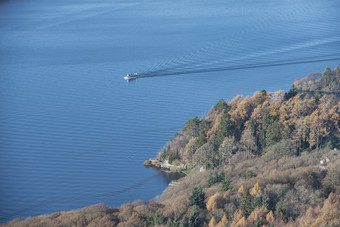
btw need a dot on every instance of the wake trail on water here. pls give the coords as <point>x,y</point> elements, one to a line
<point>223,56</point>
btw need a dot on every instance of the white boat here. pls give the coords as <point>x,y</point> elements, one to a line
<point>131,76</point>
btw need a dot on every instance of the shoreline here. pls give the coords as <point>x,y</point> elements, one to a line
<point>167,167</point>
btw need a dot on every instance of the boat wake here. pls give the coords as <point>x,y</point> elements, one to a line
<point>222,56</point>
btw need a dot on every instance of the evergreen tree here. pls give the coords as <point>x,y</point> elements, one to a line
<point>246,204</point>
<point>155,219</point>
<point>279,208</point>
<point>262,138</point>
<point>250,174</point>
<point>327,71</point>
<point>221,176</point>
<point>266,122</point>
<point>171,223</point>
<point>173,156</point>
<point>327,189</point>
<point>210,180</point>
<point>213,178</point>
<point>291,93</point>
<point>265,201</point>
<point>159,218</point>
<point>270,132</point>
<point>184,222</point>
<point>195,217</point>
<point>257,202</point>
<point>192,126</point>
<point>273,134</point>
<point>197,197</point>
<point>201,139</point>
<point>220,106</point>
<point>225,129</point>
<point>225,184</point>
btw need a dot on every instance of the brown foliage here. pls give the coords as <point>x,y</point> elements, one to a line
<point>215,202</point>
<point>270,217</point>
<point>212,222</point>
<point>256,190</point>
<point>241,189</point>
<point>259,214</point>
<point>328,215</point>
<point>97,215</point>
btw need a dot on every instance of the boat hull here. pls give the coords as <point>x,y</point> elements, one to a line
<point>131,78</point>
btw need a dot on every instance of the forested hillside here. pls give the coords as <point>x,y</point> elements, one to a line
<point>328,81</point>
<point>271,159</point>
<point>295,121</point>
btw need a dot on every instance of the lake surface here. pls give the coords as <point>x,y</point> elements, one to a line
<point>74,133</point>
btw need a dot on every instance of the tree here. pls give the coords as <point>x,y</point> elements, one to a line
<point>215,202</point>
<point>171,223</point>
<point>291,93</point>
<point>327,189</point>
<point>246,205</point>
<point>250,174</point>
<point>213,178</point>
<point>257,202</point>
<point>226,149</point>
<point>256,190</point>
<point>327,71</point>
<point>225,184</point>
<point>225,129</point>
<point>270,217</point>
<point>197,197</point>
<point>184,222</point>
<point>212,222</point>
<point>265,201</point>
<point>266,122</point>
<point>195,217</point>
<point>273,134</point>
<point>241,189</point>
<point>205,156</point>
<point>155,219</point>
<point>248,140</point>
<point>258,216</point>
<point>220,106</point>
<point>192,126</point>
<point>202,139</point>
<point>223,221</point>
<point>279,208</point>
<point>173,156</point>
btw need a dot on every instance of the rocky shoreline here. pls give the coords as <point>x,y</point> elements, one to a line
<point>166,166</point>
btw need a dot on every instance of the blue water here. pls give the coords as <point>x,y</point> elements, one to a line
<point>74,133</point>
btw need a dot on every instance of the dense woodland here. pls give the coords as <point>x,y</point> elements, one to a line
<point>271,159</point>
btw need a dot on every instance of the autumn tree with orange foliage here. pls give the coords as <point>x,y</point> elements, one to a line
<point>223,221</point>
<point>241,189</point>
<point>215,202</point>
<point>212,222</point>
<point>256,190</point>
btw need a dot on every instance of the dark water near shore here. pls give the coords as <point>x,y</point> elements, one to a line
<point>74,133</point>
